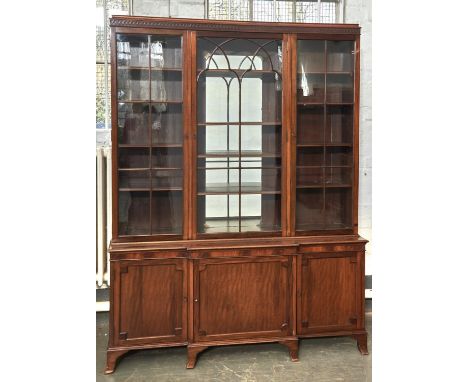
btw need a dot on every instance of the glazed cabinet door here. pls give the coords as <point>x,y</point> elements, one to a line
<point>150,302</point>
<point>148,134</point>
<point>327,295</point>
<point>242,298</point>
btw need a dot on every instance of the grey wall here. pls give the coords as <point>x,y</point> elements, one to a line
<point>360,12</point>
<point>356,11</point>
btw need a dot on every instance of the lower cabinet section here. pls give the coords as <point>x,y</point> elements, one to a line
<point>328,292</point>
<point>150,302</point>
<point>242,298</point>
<point>210,298</point>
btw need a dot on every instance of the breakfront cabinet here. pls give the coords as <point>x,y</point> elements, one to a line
<point>235,184</point>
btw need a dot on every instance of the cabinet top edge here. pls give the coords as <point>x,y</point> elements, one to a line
<point>233,26</point>
<point>197,245</point>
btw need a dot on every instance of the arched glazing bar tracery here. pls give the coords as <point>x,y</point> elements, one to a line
<point>239,93</point>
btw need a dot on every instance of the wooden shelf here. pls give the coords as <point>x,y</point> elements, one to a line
<point>232,153</point>
<point>325,72</point>
<point>274,123</point>
<point>132,146</point>
<point>148,68</point>
<point>321,185</point>
<point>240,168</point>
<point>150,168</point>
<point>327,166</point>
<point>233,188</point>
<point>324,145</point>
<point>154,189</point>
<point>305,104</point>
<point>149,101</point>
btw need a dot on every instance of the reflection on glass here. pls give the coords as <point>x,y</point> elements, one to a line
<point>239,135</point>
<point>134,213</point>
<point>340,56</point>
<point>339,88</point>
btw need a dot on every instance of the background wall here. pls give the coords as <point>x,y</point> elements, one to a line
<point>360,12</point>
<point>355,11</point>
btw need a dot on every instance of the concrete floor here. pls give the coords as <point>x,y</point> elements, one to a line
<point>320,359</point>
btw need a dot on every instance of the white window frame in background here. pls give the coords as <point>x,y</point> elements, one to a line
<point>339,14</point>
<point>106,64</point>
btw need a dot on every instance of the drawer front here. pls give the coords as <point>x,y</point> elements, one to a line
<point>242,298</point>
<point>150,300</point>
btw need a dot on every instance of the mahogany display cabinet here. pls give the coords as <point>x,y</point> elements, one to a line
<point>234,184</point>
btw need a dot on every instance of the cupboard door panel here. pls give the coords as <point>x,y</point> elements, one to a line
<point>152,302</point>
<point>328,293</point>
<point>242,298</point>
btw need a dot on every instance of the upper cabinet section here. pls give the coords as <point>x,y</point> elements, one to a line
<point>233,129</point>
<point>149,104</point>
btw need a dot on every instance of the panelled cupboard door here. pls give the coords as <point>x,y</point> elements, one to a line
<point>152,302</point>
<point>242,298</point>
<point>327,297</point>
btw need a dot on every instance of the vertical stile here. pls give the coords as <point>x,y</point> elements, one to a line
<point>355,185</point>
<point>187,118</point>
<point>324,160</point>
<point>293,132</point>
<point>192,79</point>
<point>114,137</point>
<point>150,137</point>
<point>285,137</point>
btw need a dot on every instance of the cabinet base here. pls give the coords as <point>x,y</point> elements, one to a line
<point>193,350</point>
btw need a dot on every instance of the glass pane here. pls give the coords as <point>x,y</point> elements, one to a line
<point>339,126</point>
<point>134,157</point>
<point>310,122</point>
<point>309,177</point>
<point>340,88</point>
<point>310,156</point>
<point>310,88</point>
<point>338,156</point>
<point>340,56</point>
<point>134,213</point>
<point>134,180</point>
<point>133,120</point>
<point>239,135</point>
<point>167,180</point>
<point>338,208</point>
<point>309,209</point>
<point>166,157</point>
<point>338,176</point>
<point>166,212</point>
<point>166,124</point>
<point>150,136</point>
<point>310,56</point>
